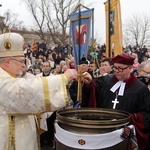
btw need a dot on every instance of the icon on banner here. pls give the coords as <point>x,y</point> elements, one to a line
<point>83,34</point>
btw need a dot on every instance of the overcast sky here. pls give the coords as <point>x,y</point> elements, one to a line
<point>128,7</point>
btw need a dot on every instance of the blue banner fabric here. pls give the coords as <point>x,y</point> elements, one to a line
<point>80,40</point>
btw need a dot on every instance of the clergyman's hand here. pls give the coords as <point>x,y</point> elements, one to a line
<point>86,78</point>
<point>71,74</point>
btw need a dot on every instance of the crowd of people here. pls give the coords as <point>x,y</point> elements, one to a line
<point>41,62</point>
<point>61,57</point>
<point>57,60</point>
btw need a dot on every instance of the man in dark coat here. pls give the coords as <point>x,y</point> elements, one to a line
<point>73,89</point>
<point>123,91</point>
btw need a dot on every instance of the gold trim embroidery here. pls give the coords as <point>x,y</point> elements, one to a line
<point>46,94</point>
<point>11,142</point>
<point>82,17</point>
<point>65,89</point>
<point>37,131</point>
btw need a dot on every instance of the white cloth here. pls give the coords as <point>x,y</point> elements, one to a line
<point>119,85</point>
<point>24,98</point>
<point>92,141</point>
<point>28,76</point>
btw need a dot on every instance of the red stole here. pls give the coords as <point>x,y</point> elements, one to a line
<point>92,97</point>
<point>129,81</point>
<point>142,138</point>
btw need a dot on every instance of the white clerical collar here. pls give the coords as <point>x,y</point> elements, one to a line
<point>121,86</point>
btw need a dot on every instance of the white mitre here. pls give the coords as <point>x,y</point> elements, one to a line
<point>11,44</point>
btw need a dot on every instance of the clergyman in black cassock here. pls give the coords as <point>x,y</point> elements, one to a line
<point>123,91</point>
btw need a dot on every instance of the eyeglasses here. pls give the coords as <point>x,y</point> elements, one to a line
<point>145,71</point>
<point>119,69</point>
<point>21,61</point>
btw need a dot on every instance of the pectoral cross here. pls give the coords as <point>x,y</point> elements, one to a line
<point>115,102</point>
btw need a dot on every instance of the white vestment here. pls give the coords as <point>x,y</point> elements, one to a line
<point>20,100</point>
<point>43,122</point>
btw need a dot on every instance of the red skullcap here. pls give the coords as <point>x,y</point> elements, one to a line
<point>123,59</point>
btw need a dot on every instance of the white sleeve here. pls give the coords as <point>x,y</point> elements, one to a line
<point>32,96</point>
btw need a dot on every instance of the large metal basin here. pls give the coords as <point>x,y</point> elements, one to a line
<point>92,120</point>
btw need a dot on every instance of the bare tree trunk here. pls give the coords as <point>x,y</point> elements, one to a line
<point>138,30</point>
<point>53,16</point>
<point>9,21</point>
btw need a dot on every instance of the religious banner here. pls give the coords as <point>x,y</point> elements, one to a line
<point>80,24</point>
<point>114,28</point>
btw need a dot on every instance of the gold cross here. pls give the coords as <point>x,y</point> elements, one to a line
<point>79,94</point>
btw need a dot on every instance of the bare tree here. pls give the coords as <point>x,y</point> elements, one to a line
<point>10,21</point>
<point>137,30</point>
<point>37,10</point>
<point>53,16</point>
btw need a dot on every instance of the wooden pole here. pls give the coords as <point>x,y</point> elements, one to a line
<point>79,94</point>
<point>109,35</point>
